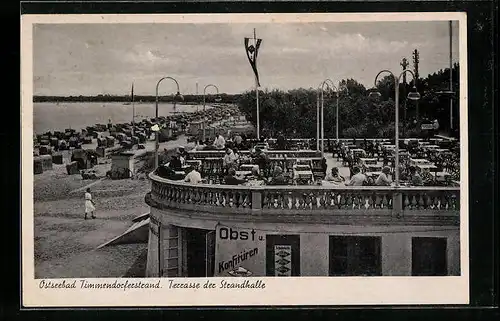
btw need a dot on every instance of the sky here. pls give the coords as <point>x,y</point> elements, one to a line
<point>91,59</point>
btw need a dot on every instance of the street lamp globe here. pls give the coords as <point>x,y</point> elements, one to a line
<point>374,93</point>
<point>178,97</point>
<point>414,94</point>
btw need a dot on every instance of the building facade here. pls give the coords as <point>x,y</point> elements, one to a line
<point>217,230</point>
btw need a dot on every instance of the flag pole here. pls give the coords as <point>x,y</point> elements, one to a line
<point>133,110</point>
<point>257,90</point>
<point>450,26</point>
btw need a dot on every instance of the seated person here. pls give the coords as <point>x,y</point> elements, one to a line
<point>230,178</point>
<point>278,177</point>
<point>193,176</point>
<point>415,178</point>
<point>281,142</point>
<point>219,142</point>
<point>383,179</point>
<point>358,178</point>
<point>175,163</point>
<point>199,145</point>
<point>256,173</point>
<point>168,173</point>
<point>334,176</point>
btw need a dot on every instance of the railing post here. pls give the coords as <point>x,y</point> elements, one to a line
<point>397,203</point>
<point>256,200</point>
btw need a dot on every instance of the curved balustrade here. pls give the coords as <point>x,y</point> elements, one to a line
<point>416,204</point>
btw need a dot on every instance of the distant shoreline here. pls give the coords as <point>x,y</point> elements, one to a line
<point>188,99</point>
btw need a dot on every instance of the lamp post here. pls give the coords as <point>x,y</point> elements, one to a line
<point>413,95</point>
<point>327,82</point>
<point>204,117</point>
<point>330,82</point>
<point>337,90</point>
<point>158,129</point>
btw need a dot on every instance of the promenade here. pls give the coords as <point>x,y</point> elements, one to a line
<point>65,243</point>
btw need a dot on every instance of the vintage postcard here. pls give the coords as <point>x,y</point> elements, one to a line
<point>244,159</point>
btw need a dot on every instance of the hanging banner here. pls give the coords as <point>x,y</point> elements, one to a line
<point>283,260</point>
<point>239,252</point>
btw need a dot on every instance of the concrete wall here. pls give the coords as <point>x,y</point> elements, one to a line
<point>119,162</point>
<point>314,255</point>
<point>152,269</point>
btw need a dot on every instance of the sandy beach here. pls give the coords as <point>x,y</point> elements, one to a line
<point>65,243</point>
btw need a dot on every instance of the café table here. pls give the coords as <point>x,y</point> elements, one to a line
<point>368,161</point>
<point>243,173</point>
<point>373,175</point>
<point>191,162</point>
<point>441,176</point>
<point>254,183</point>
<point>419,161</point>
<point>442,150</point>
<point>331,183</point>
<point>426,166</point>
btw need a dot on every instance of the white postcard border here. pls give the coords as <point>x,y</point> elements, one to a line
<point>278,291</point>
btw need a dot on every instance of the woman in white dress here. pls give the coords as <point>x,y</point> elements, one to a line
<point>89,204</point>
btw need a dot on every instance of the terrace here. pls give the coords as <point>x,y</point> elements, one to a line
<point>314,200</point>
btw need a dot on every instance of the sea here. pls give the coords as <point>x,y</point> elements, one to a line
<point>78,115</point>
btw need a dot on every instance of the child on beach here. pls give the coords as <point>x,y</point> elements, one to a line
<point>89,204</point>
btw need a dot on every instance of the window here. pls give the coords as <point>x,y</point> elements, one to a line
<point>171,243</point>
<point>355,256</point>
<point>429,256</point>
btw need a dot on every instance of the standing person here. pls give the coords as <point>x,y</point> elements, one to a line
<point>261,159</point>
<point>89,204</point>
<point>229,159</point>
<point>182,154</point>
<point>324,166</point>
<point>237,140</point>
<point>281,141</point>
<point>236,156</point>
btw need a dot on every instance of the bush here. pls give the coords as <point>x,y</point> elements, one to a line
<point>387,131</point>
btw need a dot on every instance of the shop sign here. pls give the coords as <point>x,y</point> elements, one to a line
<point>239,252</point>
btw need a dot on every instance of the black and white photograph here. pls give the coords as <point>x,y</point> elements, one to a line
<point>243,151</point>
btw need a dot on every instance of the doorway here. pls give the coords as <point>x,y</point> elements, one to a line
<point>200,247</point>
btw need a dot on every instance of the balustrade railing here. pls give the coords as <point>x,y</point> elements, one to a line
<point>297,200</point>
